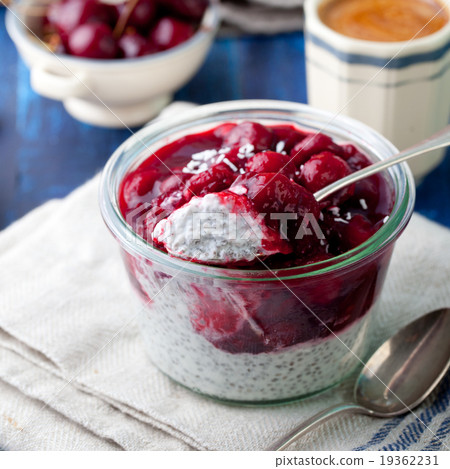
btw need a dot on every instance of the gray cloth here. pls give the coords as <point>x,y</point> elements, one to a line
<point>262,16</point>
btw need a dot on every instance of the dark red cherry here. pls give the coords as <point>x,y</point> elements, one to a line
<point>174,182</point>
<point>159,208</point>
<point>358,230</point>
<point>347,151</point>
<point>143,14</point>
<point>145,224</point>
<point>92,40</point>
<point>323,169</point>
<point>271,162</point>
<point>191,9</point>
<point>219,322</point>
<point>374,196</point>
<point>222,130</point>
<point>312,145</point>
<point>355,159</point>
<point>293,321</point>
<point>250,133</point>
<point>287,136</point>
<point>170,32</point>
<point>367,193</point>
<point>318,256</point>
<point>215,179</point>
<point>69,14</point>
<point>275,194</point>
<point>358,161</point>
<point>132,44</point>
<point>137,187</point>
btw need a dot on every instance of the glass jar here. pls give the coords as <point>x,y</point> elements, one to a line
<point>327,306</point>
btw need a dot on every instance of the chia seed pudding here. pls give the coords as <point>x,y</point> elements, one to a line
<point>247,318</point>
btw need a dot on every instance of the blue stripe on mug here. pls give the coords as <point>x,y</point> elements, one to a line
<point>412,432</point>
<point>386,62</point>
<point>380,85</point>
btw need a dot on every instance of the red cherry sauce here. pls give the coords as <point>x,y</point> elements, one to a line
<point>278,168</point>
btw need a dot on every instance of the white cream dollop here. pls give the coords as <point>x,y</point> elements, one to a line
<point>218,228</point>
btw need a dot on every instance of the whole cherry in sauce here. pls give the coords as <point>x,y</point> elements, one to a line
<point>271,162</point>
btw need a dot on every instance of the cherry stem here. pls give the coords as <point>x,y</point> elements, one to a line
<point>123,18</point>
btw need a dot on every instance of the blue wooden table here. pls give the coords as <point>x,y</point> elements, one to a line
<point>45,153</point>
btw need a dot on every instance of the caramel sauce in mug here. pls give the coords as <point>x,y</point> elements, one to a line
<point>384,20</point>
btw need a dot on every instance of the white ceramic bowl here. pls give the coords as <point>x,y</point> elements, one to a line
<point>111,93</point>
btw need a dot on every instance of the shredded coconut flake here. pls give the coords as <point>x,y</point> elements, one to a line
<point>246,151</point>
<point>385,219</point>
<point>341,220</point>
<point>363,204</point>
<point>280,146</point>
<point>193,168</point>
<point>348,216</point>
<point>220,158</point>
<point>336,211</point>
<point>204,155</point>
<point>230,164</point>
<point>193,164</point>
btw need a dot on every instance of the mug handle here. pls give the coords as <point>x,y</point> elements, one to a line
<point>55,86</point>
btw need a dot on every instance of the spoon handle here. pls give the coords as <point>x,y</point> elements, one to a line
<point>314,421</point>
<point>438,140</point>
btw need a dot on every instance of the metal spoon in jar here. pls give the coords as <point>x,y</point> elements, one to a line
<point>398,376</point>
<point>438,140</point>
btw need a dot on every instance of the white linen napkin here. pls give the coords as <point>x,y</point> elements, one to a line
<point>74,373</point>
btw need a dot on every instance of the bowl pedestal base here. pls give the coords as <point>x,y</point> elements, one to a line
<point>115,116</point>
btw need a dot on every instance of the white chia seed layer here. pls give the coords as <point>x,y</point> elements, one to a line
<point>182,353</point>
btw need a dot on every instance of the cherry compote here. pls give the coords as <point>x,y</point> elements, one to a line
<point>278,169</point>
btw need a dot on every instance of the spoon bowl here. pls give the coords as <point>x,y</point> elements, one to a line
<point>388,385</point>
<point>399,375</point>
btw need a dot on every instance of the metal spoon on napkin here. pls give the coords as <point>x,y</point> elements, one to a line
<point>398,377</point>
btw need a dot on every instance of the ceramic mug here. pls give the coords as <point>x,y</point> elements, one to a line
<point>401,89</point>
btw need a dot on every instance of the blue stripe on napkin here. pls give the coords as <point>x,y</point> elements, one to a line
<point>412,432</point>
<point>382,433</point>
<point>436,443</point>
